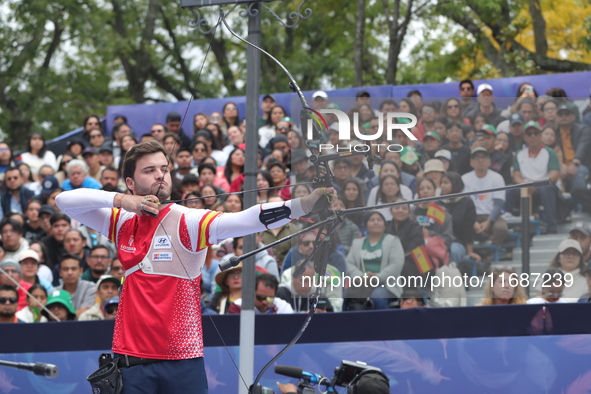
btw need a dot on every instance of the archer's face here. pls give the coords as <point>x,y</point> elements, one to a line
<point>151,176</point>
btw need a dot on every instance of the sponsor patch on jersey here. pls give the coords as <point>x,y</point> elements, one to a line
<point>162,256</point>
<point>162,242</point>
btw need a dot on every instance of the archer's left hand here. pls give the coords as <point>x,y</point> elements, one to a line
<point>310,200</point>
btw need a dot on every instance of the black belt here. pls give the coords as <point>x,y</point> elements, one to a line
<point>123,361</point>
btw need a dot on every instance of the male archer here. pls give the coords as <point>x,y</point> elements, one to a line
<point>158,339</point>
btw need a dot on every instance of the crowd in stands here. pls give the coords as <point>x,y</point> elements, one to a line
<point>68,271</point>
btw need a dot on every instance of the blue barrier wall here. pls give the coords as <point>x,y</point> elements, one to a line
<point>513,349</point>
<point>142,116</point>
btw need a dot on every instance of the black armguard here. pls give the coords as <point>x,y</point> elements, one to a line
<point>273,215</point>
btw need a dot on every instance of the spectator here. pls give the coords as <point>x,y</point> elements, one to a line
<point>59,302</point>
<point>410,235</point>
<point>502,143</point>
<point>279,175</point>
<point>444,156</point>
<point>107,288</point>
<point>536,162</point>
<point>12,238</point>
<point>550,114</point>
<point>174,126</point>
<point>54,243</point>
<point>298,292</point>
<point>549,139</point>
<point>117,269</point>
<point>158,130</point>
<point>380,255</point>
<point>99,263</point>
<point>32,229</point>
<point>434,170</point>
<point>92,159</point>
<point>96,138</point>
<point>347,230</point>
<point>75,243</point>
<point>8,304</point>
<point>83,292</point>
<point>353,196</point>
<point>460,153</point>
<point>106,157</point>
<point>489,223</point>
<point>32,312</point>
<point>453,111</point>
<point>14,272</point>
<point>6,157</point>
<point>234,165</point>
<point>267,103</point>
<point>111,307</point>
<point>126,142</point>
<point>28,181</point>
<point>516,141</point>
<point>15,197</point>
<point>213,146</point>
<point>499,290</point>
<point>467,94</point>
<point>320,100</point>
<point>230,283</point>
<point>463,215</point>
<point>436,223</point>
<point>570,261</point>
<point>37,154</point>
<point>306,246</point>
<point>90,122</point>
<point>526,108</point>
<point>29,261</point>
<point>78,177</point>
<point>500,162</point>
<point>388,192</point>
<point>486,106</point>
<point>581,232</point>
<point>412,298</point>
<point>236,137</point>
<point>119,130</point>
<point>553,288</point>
<point>231,117</point>
<point>265,302</point>
<point>44,271</point>
<point>431,142</point>
<point>110,180</point>
<point>267,131</point>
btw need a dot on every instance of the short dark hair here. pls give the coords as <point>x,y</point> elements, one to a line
<point>414,92</point>
<point>95,247</point>
<point>70,256</point>
<point>346,161</point>
<point>267,280</point>
<point>113,169</point>
<point>56,217</point>
<point>235,242</point>
<point>388,102</point>
<point>203,166</point>
<point>9,288</point>
<point>12,168</point>
<point>183,149</point>
<point>77,231</point>
<point>117,126</point>
<point>16,226</point>
<point>467,80</point>
<point>136,152</point>
<point>173,117</point>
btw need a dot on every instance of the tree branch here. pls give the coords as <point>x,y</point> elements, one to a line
<point>539,24</point>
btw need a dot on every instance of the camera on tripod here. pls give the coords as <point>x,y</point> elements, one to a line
<point>349,374</point>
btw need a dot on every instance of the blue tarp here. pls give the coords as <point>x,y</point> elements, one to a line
<point>142,116</point>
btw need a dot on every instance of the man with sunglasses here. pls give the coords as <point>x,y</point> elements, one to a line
<point>8,304</point>
<point>265,301</point>
<point>534,162</point>
<point>15,197</point>
<point>173,124</point>
<point>467,95</point>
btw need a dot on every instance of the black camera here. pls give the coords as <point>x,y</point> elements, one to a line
<point>349,375</point>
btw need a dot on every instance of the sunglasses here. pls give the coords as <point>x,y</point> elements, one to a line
<point>63,163</point>
<point>235,275</point>
<point>111,309</point>
<point>532,133</point>
<point>284,129</point>
<point>10,300</point>
<point>306,243</point>
<point>453,106</point>
<point>95,135</point>
<point>231,108</point>
<point>265,298</point>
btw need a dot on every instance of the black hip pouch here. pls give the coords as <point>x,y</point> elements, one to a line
<point>107,379</point>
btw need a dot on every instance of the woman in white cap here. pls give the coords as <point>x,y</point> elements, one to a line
<point>569,260</point>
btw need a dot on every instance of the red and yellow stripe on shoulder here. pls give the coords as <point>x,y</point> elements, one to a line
<point>204,224</point>
<point>115,213</point>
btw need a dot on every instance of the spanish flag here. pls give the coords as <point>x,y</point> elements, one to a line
<point>422,260</point>
<point>436,213</point>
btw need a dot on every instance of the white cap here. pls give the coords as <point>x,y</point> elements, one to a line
<point>433,165</point>
<point>482,87</point>
<point>570,243</point>
<point>443,153</point>
<point>29,254</point>
<point>334,126</point>
<point>320,93</point>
